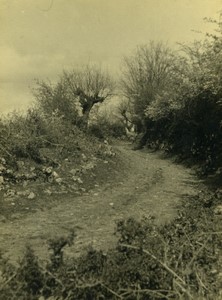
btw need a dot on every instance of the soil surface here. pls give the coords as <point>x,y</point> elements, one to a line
<point>143,184</point>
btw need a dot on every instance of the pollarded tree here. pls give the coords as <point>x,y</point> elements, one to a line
<point>76,92</point>
<point>89,86</point>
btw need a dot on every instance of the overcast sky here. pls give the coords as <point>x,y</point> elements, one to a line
<point>40,38</point>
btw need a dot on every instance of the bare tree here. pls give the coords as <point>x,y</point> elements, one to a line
<point>145,73</point>
<point>90,85</point>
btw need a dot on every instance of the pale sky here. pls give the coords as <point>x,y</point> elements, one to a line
<point>40,38</point>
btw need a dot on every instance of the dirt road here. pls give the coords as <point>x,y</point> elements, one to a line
<point>148,184</point>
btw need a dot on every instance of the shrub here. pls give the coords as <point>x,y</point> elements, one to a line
<point>179,260</point>
<point>184,113</point>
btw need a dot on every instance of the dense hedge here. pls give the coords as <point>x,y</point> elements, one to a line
<point>178,98</point>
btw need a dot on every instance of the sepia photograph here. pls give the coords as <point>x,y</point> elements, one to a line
<point>110,149</point>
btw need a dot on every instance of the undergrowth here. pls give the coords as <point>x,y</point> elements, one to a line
<point>38,139</point>
<point>179,260</point>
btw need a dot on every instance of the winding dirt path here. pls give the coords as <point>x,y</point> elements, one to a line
<point>148,184</point>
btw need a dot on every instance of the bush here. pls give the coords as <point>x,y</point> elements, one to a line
<point>106,129</point>
<point>179,260</point>
<point>21,136</point>
<point>42,139</point>
<point>184,113</point>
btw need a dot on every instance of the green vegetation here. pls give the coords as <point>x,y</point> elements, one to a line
<point>175,103</point>
<point>75,94</point>
<point>57,125</point>
<point>43,139</point>
<point>175,99</point>
<point>179,260</point>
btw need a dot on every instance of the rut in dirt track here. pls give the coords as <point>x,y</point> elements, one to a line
<point>149,185</point>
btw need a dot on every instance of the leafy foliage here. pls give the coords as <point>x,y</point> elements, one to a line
<point>180,108</point>
<point>145,74</point>
<point>42,140</point>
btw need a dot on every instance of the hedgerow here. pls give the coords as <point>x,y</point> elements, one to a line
<point>176,96</point>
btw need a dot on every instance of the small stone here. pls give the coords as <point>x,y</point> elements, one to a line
<point>31,196</point>
<point>111,204</point>
<point>89,166</point>
<point>74,178</point>
<point>3,161</point>
<point>218,210</point>
<point>55,174</point>
<point>105,161</point>
<point>79,180</point>
<point>48,192</point>
<point>58,180</point>
<point>74,171</point>
<point>47,170</point>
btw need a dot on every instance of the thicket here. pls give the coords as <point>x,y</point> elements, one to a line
<point>58,120</point>
<point>41,138</point>
<point>176,98</point>
<point>179,260</point>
